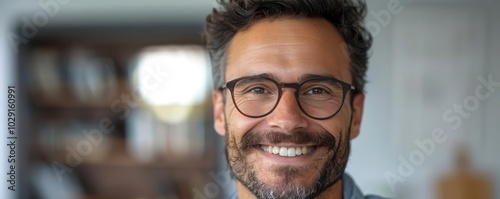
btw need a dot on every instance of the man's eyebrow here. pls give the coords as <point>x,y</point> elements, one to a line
<point>265,75</point>
<point>307,76</point>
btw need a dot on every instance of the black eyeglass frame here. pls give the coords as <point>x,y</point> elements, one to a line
<point>346,87</point>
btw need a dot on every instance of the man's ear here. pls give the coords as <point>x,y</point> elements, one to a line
<point>357,114</point>
<point>219,119</point>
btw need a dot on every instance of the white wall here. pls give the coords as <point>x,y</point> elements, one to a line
<point>427,58</point>
<point>491,115</point>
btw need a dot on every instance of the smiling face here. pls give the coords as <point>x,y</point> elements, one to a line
<point>287,154</point>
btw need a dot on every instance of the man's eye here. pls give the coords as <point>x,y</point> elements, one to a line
<point>258,90</point>
<point>316,91</point>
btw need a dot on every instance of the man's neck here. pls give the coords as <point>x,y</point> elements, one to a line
<point>333,192</point>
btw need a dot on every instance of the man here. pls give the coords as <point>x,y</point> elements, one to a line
<point>289,78</point>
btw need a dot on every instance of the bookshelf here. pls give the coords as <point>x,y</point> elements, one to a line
<point>61,109</point>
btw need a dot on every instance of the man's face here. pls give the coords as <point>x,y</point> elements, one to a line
<point>287,50</point>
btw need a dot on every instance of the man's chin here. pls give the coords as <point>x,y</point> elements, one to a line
<point>275,185</point>
<point>283,176</point>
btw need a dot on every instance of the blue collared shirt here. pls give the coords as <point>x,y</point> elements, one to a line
<point>350,190</point>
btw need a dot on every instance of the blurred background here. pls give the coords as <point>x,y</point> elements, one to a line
<point>113,100</point>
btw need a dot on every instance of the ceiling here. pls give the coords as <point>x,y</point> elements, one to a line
<point>116,12</point>
<point>132,12</point>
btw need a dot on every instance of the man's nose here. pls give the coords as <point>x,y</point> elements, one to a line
<point>287,115</point>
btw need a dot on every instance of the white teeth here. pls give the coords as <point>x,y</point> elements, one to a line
<point>298,151</point>
<point>283,151</point>
<point>287,152</point>
<point>291,152</point>
<point>276,150</point>
<point>264,148</point>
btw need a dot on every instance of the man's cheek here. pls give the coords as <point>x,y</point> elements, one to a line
<point>332,125</point>
<point>244,124</point>
<point>342,120</point>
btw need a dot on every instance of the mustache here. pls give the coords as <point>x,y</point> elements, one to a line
<point>253,138</point>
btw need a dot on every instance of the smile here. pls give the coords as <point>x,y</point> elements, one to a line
<point>288,151</point>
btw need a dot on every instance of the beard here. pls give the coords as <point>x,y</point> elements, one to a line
<point>329,167</point>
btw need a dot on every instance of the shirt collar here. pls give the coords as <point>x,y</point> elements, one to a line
<point>350,189</point>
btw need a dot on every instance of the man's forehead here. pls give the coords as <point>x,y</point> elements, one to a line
<point>285,45</point>
<point>310,29</point>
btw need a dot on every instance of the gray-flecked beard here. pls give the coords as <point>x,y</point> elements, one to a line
<point>329,172</point>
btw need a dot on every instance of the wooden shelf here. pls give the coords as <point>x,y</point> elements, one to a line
<point>67,99</point>
<point>113,173</point>
<point>117,156</point>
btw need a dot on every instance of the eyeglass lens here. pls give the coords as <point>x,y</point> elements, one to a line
<point>258,96</point>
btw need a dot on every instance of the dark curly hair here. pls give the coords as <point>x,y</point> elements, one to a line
<point>237,15</point>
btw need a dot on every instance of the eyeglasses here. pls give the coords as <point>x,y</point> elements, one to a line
<point>319,98</point>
